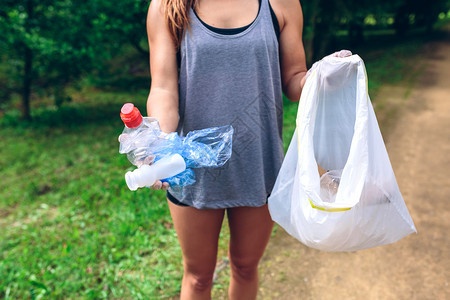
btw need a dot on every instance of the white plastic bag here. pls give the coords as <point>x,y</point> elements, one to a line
<point>337,128</point>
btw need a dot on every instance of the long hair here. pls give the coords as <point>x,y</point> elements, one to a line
<point>176,13</point>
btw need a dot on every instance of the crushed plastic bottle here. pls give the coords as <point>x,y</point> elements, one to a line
<point>138,133</point>
<point>329,185</point>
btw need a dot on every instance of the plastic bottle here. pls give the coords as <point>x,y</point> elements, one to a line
<point>147,175</point>
<point>329,185</point>
<point>131,116</point>
<point>138,133</point>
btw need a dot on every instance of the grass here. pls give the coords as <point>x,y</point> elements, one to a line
<point>69,227</point>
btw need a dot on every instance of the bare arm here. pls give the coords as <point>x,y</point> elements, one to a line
<point>162,102</point>
<point>293,61</point>
<point>292,53</point>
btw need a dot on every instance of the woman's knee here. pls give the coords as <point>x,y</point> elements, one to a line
<point>244,269</point>
<point>199,280</point>
<point>199,275</point>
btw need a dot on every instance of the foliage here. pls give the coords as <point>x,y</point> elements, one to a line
<point>50,43</point>
<point>325,20</point>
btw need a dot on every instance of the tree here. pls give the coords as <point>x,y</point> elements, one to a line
<point>324,19</point>
<point>415,13</point>
<point>49,43</point>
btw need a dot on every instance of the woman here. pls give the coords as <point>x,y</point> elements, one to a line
<point>214,63</point>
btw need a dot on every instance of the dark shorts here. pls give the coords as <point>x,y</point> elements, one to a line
<point>177,202</point>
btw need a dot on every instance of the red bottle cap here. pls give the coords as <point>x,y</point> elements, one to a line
<point>130,115</point>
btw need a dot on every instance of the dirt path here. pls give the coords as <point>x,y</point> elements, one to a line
<point>416,267</point>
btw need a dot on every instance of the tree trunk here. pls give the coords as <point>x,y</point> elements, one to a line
<point>356,32</point>
<point>324,30</point>
<point>309,47</point>
<point>28,67</point>
<point>27,80</point>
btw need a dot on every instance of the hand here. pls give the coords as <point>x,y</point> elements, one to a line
<point>341,54</point>
<point>159,185</point>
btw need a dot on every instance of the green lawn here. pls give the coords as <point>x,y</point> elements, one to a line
<point>70,228</point>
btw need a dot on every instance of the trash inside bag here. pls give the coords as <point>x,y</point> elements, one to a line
<point>358,204</point>
<point>329,184</point>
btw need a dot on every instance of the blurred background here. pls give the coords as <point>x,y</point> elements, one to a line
<point>69,227</point>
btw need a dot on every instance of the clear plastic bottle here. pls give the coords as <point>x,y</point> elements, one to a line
<point>138,134</point>
<point>329,184</point>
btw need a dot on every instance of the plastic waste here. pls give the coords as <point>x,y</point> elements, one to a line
<point>160,154</point>
<point>329,184</point>
<point>138,134</point>
<point>147,175</point>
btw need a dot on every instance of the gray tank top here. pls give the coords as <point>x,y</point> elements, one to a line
<point>234,80</point>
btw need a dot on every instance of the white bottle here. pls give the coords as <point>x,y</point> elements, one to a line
<point>147,175</point>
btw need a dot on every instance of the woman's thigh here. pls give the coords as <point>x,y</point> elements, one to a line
<point>198,233</point>
<point>250,230</point>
